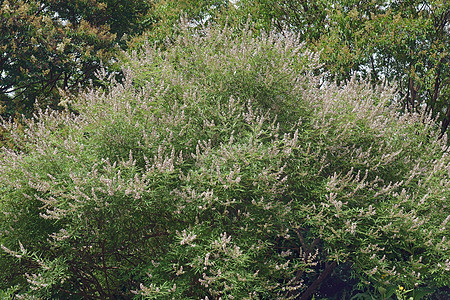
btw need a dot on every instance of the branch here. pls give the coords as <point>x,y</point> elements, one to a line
<point>445,122</point>
<point>307,252</point>
<point>313,287</point>
<point>105,268</point>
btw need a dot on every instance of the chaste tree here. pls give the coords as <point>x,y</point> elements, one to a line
<point>222,167</point>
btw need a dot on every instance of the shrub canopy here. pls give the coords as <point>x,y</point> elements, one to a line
<point>222,168</point>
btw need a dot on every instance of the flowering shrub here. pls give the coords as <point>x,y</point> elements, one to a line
<point>222,168</point>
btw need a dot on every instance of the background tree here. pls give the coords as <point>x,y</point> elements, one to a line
<point>51,45</point>
<point>165,17</point>
<point>406,42</point>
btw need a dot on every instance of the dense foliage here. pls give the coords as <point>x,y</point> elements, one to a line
<point>165,16</point>
<point>223,168</point>
<point>406,42</point>
<point>52,45</point>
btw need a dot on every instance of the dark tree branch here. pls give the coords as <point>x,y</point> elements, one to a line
<point>307,251</point>
<point>313,287</point>
<point>445,122</point>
